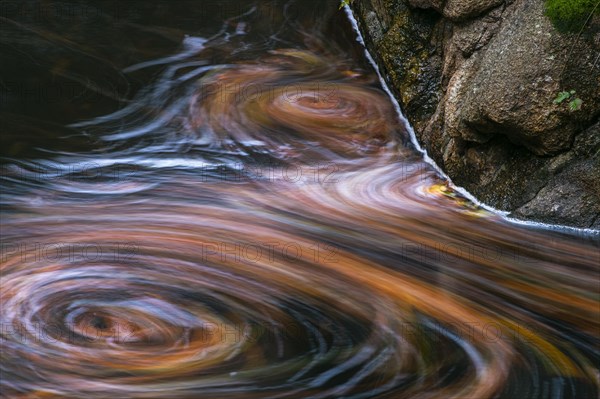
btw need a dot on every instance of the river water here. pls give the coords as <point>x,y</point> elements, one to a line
<point>219,200</point>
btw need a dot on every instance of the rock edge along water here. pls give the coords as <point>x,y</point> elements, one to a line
<point>477,84</point>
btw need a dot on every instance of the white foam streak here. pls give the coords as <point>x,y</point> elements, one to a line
<point>192,45</point>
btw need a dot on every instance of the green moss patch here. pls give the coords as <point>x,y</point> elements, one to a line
<point>570,15</point>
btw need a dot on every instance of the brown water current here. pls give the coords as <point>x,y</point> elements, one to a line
<point>252,220</point>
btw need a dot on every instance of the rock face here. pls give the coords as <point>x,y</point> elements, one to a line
<point>477,80</point>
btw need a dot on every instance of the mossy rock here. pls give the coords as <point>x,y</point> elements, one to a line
<point>570,15</point>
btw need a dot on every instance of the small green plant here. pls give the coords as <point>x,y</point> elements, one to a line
<point>575,103</point>
<point>571,15</point>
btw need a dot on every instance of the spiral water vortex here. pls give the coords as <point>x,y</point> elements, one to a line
<point>281,104</point>
<point>276,239</point>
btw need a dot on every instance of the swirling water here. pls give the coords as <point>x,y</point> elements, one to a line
<point>254,222</point>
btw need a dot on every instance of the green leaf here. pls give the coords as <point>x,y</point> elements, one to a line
<point>562,96</point>
<point>572,92</point>
<point>344,3</point>
<point>575,105</point>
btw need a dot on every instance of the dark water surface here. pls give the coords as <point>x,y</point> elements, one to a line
<point>218,200</point>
